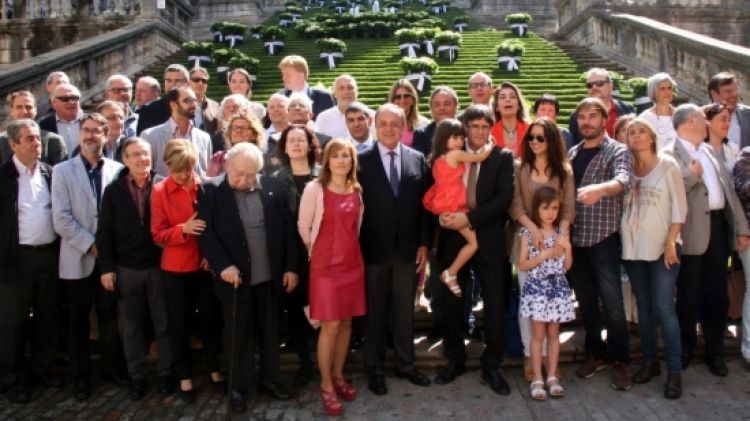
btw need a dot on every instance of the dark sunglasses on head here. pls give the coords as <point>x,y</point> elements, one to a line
<point>71,98</point>
<point>538,138</point>
<point>199,80</point>
<point>398,97</point>
<point>597,83</point>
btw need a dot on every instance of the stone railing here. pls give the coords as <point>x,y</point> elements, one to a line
<point>89,63</point>
<point>647,46</point>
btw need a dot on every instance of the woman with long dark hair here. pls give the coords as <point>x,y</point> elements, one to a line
<point>511,118</point>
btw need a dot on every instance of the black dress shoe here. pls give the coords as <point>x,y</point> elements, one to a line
<point>303,375</point>
<point>673,387</point>
<point>376,384</point>
<point>448,374</point>
<point>45,380</point>
<point>496,381</point>
<point>356,342</point>
<point>219,387</point>
<point>137,389</point>
<point>116,378</point>
<point>167,386</point>
<point>20,391</point>
<point>273,390</point>
<point>717,366</point>
<point>237,402</point>
<point>82,389</point>
<point>414,377</point>
<point>187,396</point>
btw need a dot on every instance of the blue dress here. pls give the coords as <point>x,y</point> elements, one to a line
<point>546,295</point>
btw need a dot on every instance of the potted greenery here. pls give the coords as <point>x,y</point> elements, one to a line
<point>461,23</point>
<point>273,39</point>
<point>221,57</point>
<point>331,51</point>
<point>255,31</point>
<point>216,31</point>
<point>639,86</point>
<point>439,6</point>
<point>419,71</point>
<point>519,23</point>
<point>408,42</point>
<point>243,61</point>
<point>199,52</point>
<point>447,45</point>
<point>285,19</point>
<point>509,54</point>
<point>426,37</point>
<point>234,33</point>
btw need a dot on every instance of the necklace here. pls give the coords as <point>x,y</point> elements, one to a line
<point>338,187</point>
<point>510,134</point>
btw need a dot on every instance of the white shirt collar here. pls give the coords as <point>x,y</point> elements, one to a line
<point>23,169</point>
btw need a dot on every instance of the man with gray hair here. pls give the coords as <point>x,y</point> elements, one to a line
<point>600,85</point>
<point>443,104</point>
<point>332,122</point>
<point>23,106</point>
<point>65,121</point>
<point>250,242</point>
<point>119,88</point>
<point>300,111</point>
<point>229,106</point>
<point>714,228</point>
<point>28,256</point>
<point>158,111</point>
<point>147,89</point>
<point>53,79</point>
<point>480,88</point>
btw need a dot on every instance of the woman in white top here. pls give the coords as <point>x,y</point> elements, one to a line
<point>660,89</point>
<point>654,213</point>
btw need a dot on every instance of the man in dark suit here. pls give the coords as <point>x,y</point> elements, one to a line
<point>158,111</point>
<point>724,89</point>
<point>251,245</point>
<point>599,85</point>
<point>119,88</point>
<point>28,256</point>
<point>294,72</point>
<point>443,104</point>
<point>65,120</point>
<point>395,236</point>
<point>489,191</point>
<point>23,105</point>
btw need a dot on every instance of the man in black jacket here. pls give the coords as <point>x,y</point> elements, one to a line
<point>294,72</point>
<point>157,112</point>
<point>443,104</point>
<point>251,244</point>
<point>23,105</point>
<point>129,262</point>
<point>28,258</point>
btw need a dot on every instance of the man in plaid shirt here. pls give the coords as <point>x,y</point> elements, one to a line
<point>602,169</point>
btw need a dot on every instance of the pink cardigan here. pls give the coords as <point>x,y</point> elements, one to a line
<point>311,214</point>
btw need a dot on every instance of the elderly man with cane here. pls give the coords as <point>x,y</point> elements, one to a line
<point>251,265</point>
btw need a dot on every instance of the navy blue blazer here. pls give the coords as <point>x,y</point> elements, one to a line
<point>322,100</point>
<point>394,225</point>
<point>224,243</point>
<point>153,114</point>
<point>423,139</point>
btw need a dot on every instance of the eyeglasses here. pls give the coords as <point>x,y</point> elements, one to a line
<point>538,138</point>
<point>241,129</point>
<point>479,85</point>
<point>120,90</point>
<point>597,83</point>
<point>482,127</point>
<point>96,131</point>
<point>199,80</point>
<point>399,97</point>
<point>69,98</point>
<point>297,106</point>
<point>188,100</point>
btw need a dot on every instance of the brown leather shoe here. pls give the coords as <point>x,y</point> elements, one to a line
<point>620,376</point>
<point>673,387</point>
<point>646,371</point>
<point>590,366</point>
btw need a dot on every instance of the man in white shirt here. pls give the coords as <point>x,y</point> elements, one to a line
<point>66,102</point>
<point>724,89</point>
<point>332,122</point>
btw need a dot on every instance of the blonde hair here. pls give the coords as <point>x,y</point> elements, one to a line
<point>640,121</point>
<point>179,155</point>
<point>296,62</point>
<point>255,126</point>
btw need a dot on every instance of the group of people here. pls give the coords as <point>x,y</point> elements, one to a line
<point>175,215</point>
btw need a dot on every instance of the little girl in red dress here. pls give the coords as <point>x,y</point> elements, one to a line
<point>448,194</point>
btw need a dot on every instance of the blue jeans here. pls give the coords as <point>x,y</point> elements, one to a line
<point>654,287</point>
<point>595,276</point>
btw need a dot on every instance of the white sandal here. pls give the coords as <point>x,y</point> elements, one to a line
<point>451,281</point>
<point>537,391</point>
<point>555,390</point>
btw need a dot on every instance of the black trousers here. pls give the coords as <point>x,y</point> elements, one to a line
<point>256,322</point>
<point>184,292</point>
<point>491,275</point>
<point>702,287</point>
<point>34,287</point>
<point>300,330</point>
<point>81,293</point>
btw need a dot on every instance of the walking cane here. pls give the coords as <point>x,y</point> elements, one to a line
<point>231,353</point>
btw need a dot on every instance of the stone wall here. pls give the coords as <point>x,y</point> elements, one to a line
<point>492,13</point>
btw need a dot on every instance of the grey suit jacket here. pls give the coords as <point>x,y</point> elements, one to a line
<point>743,117</point>
<point>75,214</point>
<point>158,137</point>
<point>697,229</point>
<point>53,148</point>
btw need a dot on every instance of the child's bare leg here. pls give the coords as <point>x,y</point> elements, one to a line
<point>463,256</point>
<point>538,333</point>
<point>553,347</point>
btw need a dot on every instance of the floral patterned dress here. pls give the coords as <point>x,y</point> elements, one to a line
<point>546,295</point>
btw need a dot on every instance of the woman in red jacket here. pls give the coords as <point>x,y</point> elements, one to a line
<point>511,118</point>
<point>175,227</point>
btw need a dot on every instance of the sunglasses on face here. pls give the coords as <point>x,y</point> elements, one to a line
<point>597,83</point>
<point>399,97</point>
<point>538,138</point>
<point>199,80</point>
<point>71,98</point>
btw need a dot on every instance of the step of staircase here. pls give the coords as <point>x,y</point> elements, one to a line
<point>588,59</point>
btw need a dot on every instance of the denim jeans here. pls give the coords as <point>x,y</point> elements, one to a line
<point>595,276</point>
<point>745,257</point>
<point>654,288</point>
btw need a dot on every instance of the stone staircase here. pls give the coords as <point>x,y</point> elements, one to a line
<point>491,13</point>
<point>588,59</point>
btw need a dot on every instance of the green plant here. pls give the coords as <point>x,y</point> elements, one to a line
<point>427,33</point>
<point>522,17</point>
<point>406,36</point>
<point>221,56</point>
<point>510,47</point>
<point>448,38</point>
<point>273,33</point>
<point>216,26</point>
<point>256,29</point>
<point>285,16</point>
<point>461,19</point>
<point>418,64</point>
<point>233,28</point>
<point>639,86</point>
<point>245,62</point>
<point>289,4</point>
<point>294,9</point>
<point>202,48</point>
<point>330,45</point>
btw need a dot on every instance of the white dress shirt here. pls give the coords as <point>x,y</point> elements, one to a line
<point>34,207</point>
<point>386,158</point>
<point>332,122</point>
<point>703,154</point>
<point>361,146</point>
<point>70,131</point>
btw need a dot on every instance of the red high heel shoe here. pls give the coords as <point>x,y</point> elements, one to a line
<point>344,388</point>
<point>331,403</point>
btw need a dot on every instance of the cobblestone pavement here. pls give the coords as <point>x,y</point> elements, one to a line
<point>705,397</point>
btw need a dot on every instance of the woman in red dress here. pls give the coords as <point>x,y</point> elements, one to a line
<point>330,216</point>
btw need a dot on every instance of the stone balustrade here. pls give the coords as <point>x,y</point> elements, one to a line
<point>647,46</point>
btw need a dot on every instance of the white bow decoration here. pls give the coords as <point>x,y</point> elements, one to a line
<point>256,36</point>
<point>428,44</point>
<point>642,100</point>
<point>420,77</point>
<point>222,69</point>
<point>461,26</point>
<point>218,35</point>
<point>284,22</point>
<point>272,46</point>
<point>452,50</point>
<point>197,60</point>
<point>412,52</point>
<point>296,17</point>
<point>511,62</point>
<point>340,9</point>
<point>522,27</point>
<point>233,39</point>
<point>330,57</point>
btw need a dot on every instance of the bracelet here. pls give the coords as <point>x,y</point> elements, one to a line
<point>670,244</point>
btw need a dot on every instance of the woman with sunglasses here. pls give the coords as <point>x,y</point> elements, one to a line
<point>718,119</point>
<point>405,96</point>
<point>661,89</point>
<point>511,118</point>
<point>207,114</point>
<point>239,128</point>
<point>544,162</point>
